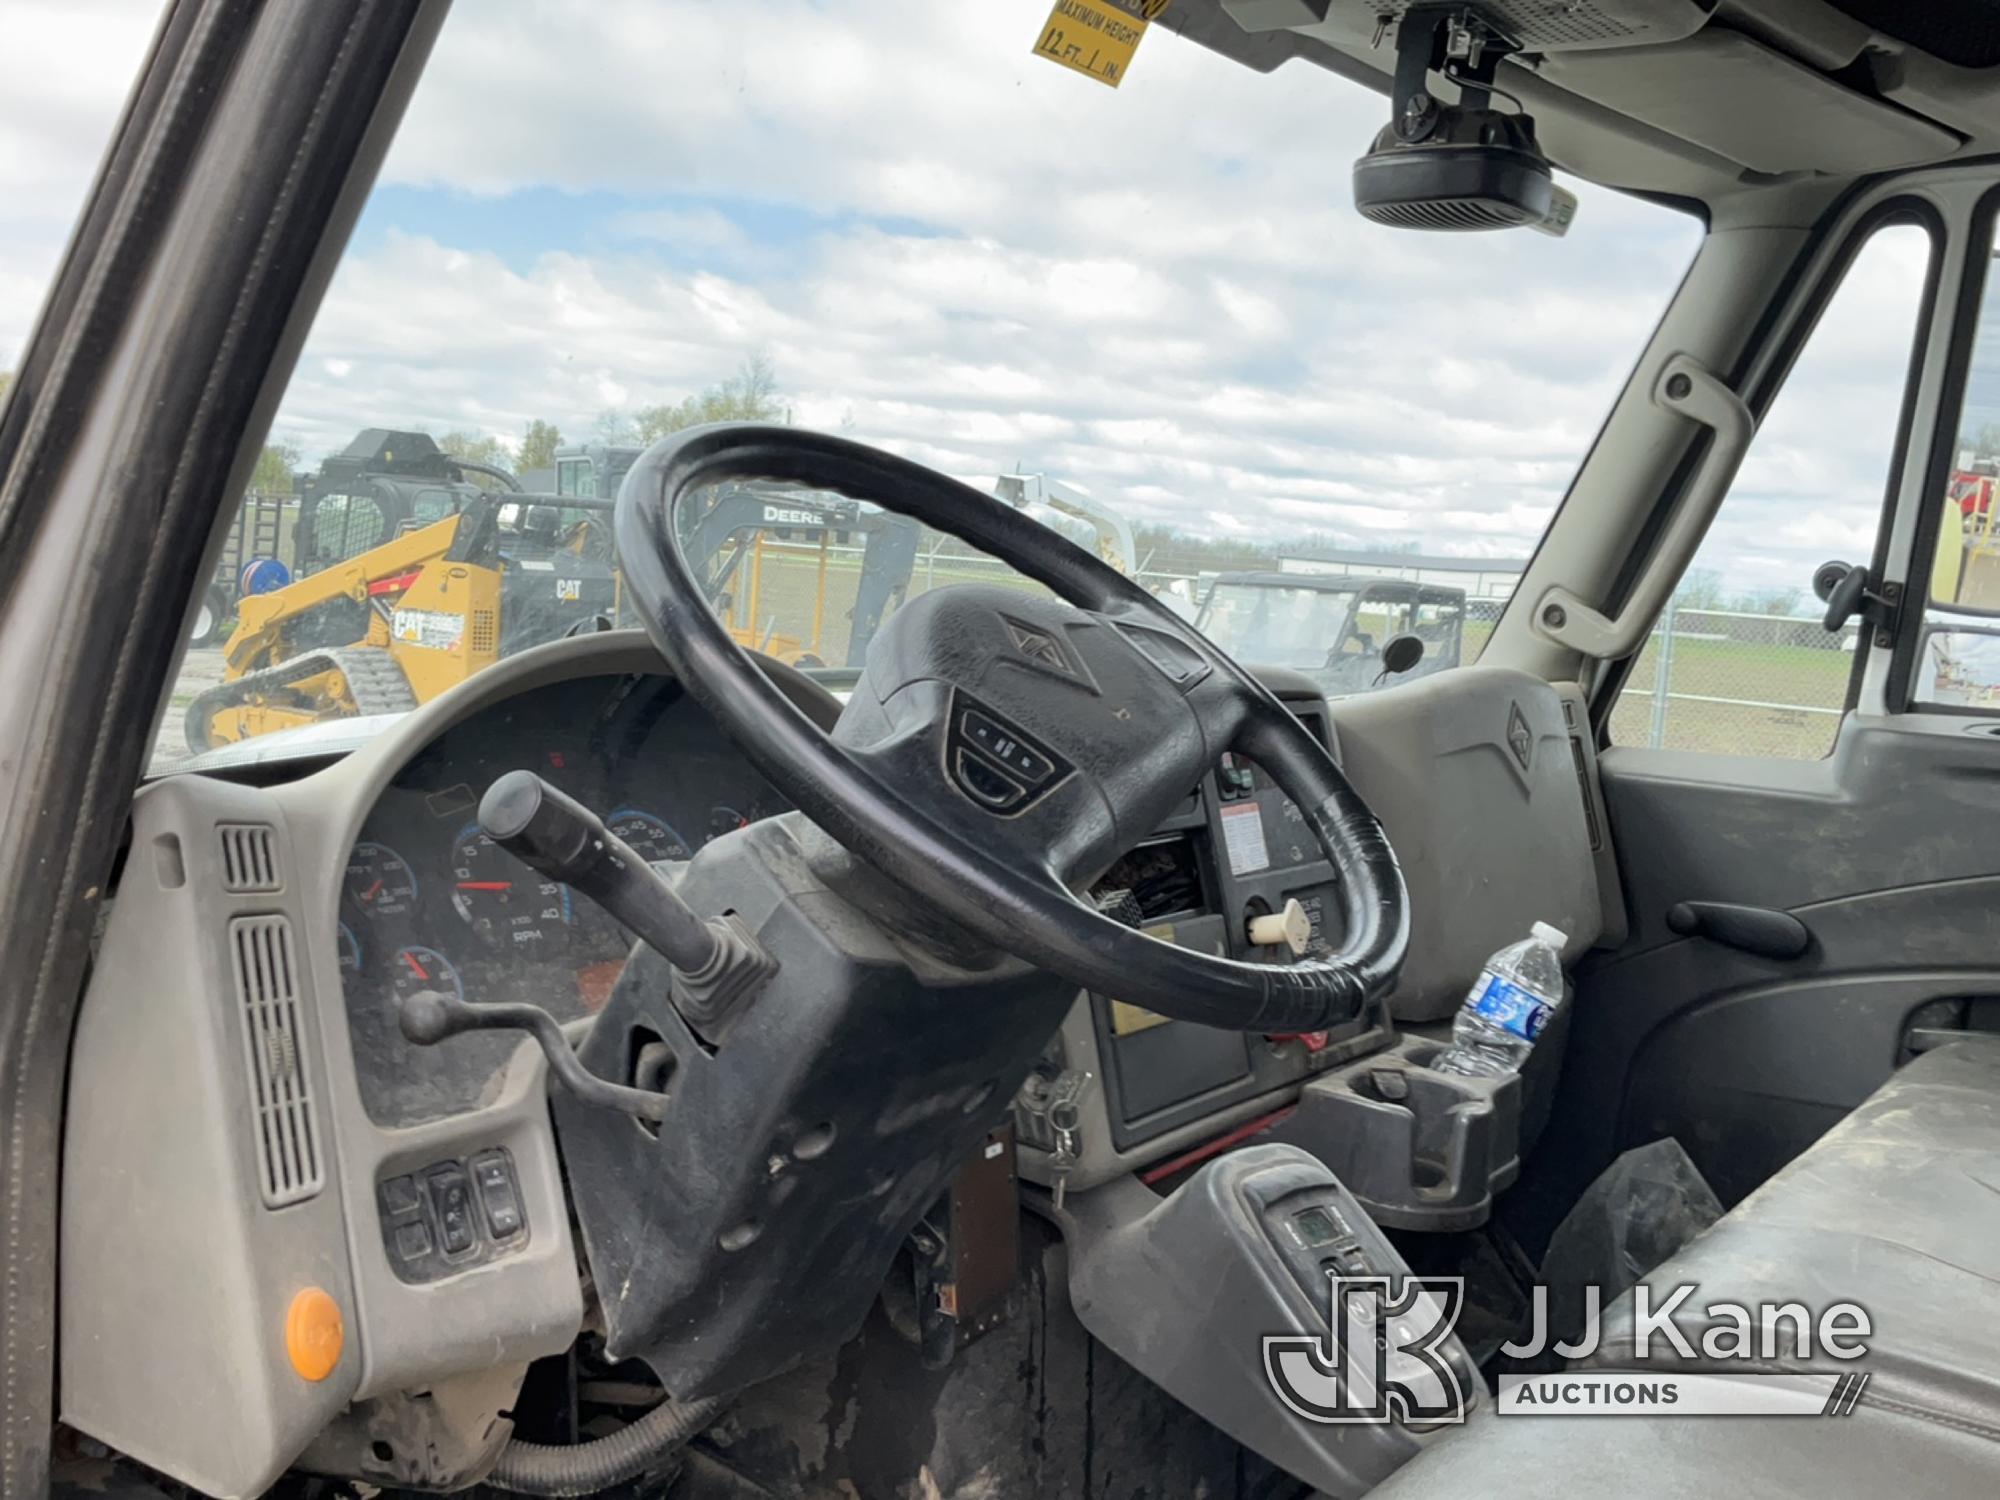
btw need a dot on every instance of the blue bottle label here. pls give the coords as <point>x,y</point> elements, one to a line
<point>1510,1007</point>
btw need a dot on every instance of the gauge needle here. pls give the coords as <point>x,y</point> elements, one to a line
<point>415,967</point>
<point>486,885</point>
<point>369,894</point>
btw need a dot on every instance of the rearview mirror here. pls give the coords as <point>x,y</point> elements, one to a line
<point>1401,654</point>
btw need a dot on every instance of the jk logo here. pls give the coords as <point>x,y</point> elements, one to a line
<point>1382,1359</point>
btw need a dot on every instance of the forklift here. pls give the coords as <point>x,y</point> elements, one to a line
<point>749,540</point>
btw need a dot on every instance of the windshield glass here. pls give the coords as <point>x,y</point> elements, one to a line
<point>1183,349</point>
<point>1275,622</point>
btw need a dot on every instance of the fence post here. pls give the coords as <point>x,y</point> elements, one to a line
<point>1663,672</point>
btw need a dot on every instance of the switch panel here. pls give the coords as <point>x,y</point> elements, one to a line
<point>451,1215</point>
<point>995,763</point>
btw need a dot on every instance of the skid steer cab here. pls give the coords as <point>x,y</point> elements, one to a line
<point>392,627</point>
<point>1336,627</point>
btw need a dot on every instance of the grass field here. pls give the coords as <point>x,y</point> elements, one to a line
<point>1783,685</point>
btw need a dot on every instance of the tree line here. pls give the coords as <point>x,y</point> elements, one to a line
<point>748,395</point>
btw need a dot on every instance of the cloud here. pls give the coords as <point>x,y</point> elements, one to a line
<point>65,71</point>
<point>948,247</point>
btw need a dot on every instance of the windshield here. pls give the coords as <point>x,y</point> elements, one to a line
<point>1183,349</point>
<point>1276,623</point>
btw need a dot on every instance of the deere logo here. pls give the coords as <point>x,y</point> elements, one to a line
<point>784,515</point>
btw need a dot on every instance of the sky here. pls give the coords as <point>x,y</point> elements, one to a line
<point>1160,294</point>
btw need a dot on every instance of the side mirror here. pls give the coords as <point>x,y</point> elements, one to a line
<point>1401,654</point>
<point>1843,588</point>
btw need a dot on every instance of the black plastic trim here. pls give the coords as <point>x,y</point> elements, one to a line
<point>175,319</point>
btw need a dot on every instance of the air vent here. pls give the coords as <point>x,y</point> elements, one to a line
<point>485,637</point>
<point>249,857</point>
<point>288,1154</point>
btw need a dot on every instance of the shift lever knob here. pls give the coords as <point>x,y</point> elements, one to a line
<point>553,833</point>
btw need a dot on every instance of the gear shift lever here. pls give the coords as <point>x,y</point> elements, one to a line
<point>716,962</point>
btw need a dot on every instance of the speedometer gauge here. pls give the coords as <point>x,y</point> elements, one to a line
<point>503,900</point>
<point>652,839</point>
<point>379,881</point>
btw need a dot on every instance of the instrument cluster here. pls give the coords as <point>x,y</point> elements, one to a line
<point>428,902</point>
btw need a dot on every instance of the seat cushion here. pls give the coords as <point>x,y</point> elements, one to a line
<point>1865,1456</point>
<point>1896,1209</point>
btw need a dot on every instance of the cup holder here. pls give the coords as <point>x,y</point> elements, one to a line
<point>1420,1149</point>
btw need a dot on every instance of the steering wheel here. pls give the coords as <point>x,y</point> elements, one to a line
<point>1003,748</point>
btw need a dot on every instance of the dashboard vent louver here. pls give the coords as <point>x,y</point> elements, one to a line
<point>249,857</point>
<point>267,992</point>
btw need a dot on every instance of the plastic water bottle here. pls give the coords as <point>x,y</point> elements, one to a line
<point>1507,1007</point>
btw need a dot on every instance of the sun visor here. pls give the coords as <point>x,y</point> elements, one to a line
<point>1736,97</point>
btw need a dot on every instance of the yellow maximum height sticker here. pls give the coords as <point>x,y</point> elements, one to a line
<point>1096,37</point>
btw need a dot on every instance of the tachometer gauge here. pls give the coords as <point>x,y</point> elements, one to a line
<point>379,882</point>
<point>652,839</point>
<point>505,902</point>
<point>416,969</point>
<point>350,950</point>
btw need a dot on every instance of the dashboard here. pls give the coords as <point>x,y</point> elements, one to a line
<point>428,902</point>
<point>237,1072</point>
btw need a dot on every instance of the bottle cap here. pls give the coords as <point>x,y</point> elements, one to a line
<point>1555,937</point>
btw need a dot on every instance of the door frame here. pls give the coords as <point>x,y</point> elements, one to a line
<point>226,197</point>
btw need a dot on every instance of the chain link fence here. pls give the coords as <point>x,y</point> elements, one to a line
<point>1724,681</point>
<point>1737,683</point>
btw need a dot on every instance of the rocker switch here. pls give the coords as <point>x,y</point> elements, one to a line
<point>493,1174</point>
<point>452,1200</point>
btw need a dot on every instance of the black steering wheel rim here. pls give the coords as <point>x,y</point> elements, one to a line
<point>1022,911</point>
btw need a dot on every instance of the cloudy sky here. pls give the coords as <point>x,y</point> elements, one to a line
<point>1161,294</point>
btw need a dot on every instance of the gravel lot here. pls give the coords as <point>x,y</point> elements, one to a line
<point>201,668</point>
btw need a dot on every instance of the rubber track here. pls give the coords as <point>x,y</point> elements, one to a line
<point>374,681</point>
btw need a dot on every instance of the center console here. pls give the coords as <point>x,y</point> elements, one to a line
<point>1121,1086</point>
<point>1261,1294</point>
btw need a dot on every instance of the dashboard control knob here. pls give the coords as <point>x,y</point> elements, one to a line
<point>1291,928</point>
